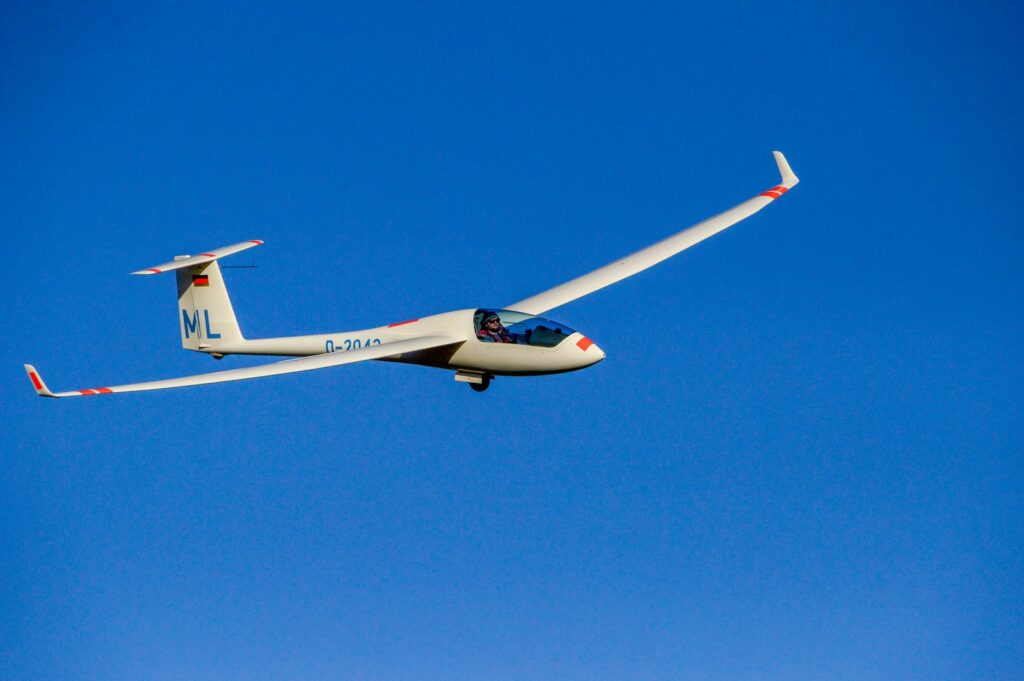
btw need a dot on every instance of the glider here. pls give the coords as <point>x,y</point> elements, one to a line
<point>477,344</point>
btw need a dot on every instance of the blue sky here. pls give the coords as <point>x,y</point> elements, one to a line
<point>801,459</point>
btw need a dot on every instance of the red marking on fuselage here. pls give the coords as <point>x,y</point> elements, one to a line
<point>584,343</point>
<point>405,322</point>
<point>35,380</point>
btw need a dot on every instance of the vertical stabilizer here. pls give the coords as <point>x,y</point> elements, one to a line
<point>205,314</point>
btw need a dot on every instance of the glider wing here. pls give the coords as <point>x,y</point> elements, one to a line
<point>652,255</point>
<point>384,350</point>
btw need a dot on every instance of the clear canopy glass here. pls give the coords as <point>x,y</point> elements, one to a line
<point>508,326</point>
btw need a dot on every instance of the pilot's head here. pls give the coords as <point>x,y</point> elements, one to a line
<point>491,322</point>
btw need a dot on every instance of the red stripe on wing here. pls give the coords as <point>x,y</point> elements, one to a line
<point>774,192</point>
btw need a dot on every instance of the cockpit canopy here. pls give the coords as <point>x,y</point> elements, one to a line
<point>519,328</point>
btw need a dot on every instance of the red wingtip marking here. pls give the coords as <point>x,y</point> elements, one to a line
<point>35,380</point>
<point>584,343</point>
<point>104,391</point>
<point>208,255</point>
<point>153,270</point>
<point>405,322</point>
<point>87,392</point>
<point>775,192</point>
<point>256,241</point>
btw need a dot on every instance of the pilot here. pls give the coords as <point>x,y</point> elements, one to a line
<point>491,330</point>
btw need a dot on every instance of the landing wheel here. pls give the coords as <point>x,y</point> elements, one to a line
<point>483,385</point>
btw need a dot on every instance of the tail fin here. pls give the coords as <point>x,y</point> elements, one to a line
<point>205,314</point>
<point>207,318</point>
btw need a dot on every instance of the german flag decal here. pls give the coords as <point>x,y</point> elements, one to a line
<point>200,280</point>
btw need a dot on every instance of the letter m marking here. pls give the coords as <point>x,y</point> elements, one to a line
<point>190,325</point>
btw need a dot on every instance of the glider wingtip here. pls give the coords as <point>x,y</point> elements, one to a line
<point>789,178</point>
<point>37,382</point>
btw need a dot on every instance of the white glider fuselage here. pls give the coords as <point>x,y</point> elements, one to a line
<point>519,357</point>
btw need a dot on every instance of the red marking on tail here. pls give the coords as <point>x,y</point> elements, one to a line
<point>35,380</point>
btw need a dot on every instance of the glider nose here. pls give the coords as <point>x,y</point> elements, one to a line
<point>593,354</point>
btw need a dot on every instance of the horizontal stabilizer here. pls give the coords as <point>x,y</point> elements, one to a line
<point>202,258</point>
